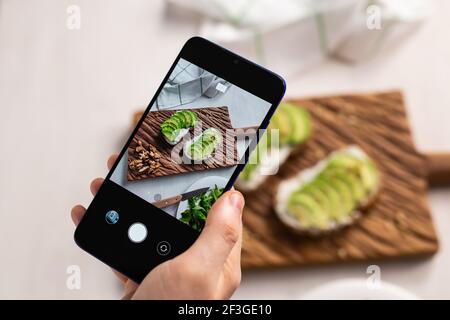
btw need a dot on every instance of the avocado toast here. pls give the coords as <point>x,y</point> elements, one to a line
<point>294,128</point>
<point>329,195</point>
<point>204,145</point>
<point>177,125</point>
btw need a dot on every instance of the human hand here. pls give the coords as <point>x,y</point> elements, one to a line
<point>209,269</point>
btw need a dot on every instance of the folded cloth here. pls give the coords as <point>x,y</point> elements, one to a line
<point>292,35</point>
<point>186,84</point>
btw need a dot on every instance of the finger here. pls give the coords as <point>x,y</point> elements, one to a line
<point>234,259</point>
<point>95,185</point>
<point>120,276</point>
<point>222,231</point>
<point>111,160</point>
<point>77,214</point>
<point>129,289</point>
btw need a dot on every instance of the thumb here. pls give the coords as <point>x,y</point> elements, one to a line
<point>223,229</point>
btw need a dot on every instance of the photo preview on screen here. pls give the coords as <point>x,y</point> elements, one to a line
<point>196,133</point>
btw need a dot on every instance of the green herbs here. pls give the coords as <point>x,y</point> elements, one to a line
<point>177,125</point>
<point>198,208</point>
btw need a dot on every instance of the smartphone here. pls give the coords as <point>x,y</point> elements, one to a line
<point>188,147</point>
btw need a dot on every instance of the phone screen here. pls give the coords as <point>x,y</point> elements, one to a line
<point>190,142</point>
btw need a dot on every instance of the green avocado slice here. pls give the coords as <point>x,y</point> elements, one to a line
<point>196,151</point>
<point>370,176</point>
<point>207,148</point>
<point>347,202</point>
<point>364,169</point>
<point>205,144</point>
<point>186,118</point>
<point>318,195</point>
<point>167,131</point>
<point>335,208</point>
<point>174,122</point>
<point>300,123</point>
<point>343,160</point>
<point>193,118</point>
<point>280,121</point>
<point>168,126</point>
<point>307,211</point>
<point>179,116</point>
<point>349,178</point>
<point>174,135</point>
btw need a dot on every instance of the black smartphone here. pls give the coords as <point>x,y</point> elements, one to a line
<point>187,148</point>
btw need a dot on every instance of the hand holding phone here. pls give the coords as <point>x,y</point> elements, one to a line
<point>176,278</point>
<point>186,150</point>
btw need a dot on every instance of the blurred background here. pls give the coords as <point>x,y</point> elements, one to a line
<point>73,73</point>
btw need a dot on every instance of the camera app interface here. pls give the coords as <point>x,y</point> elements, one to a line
<point>189,144</point>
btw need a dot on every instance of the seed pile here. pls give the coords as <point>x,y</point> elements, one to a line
<point>146,159</point>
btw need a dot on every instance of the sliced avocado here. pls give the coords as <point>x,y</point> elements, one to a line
<point>370,176</point>
<point>345,194</point>
<point>280,121</point>
<point>365,169</point>
<point>172,135</point>
<point>318,195</point>
<point>179,116</point>
<point>213,135</point>
<point>196,151</point>
<point>300,123</point>
<point>186,118</point>
<point>174,122</point>
<point>344,160</point>
<point>352,180</point>
<point>336,209</point>
<point>205,144</point>
<point>170,126</point>
<point>207,147</point>
<point>167,131</point>
<point>193,118</point>
<point>166,124</point>
<point>306,209</point>
<point>175,133</point>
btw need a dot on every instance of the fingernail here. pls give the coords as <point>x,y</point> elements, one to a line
<point>237,200</point>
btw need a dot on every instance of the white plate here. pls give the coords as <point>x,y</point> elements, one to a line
<point>358,289</point>
<point>209,181</point>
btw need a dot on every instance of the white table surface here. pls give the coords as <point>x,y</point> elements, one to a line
<point>66,99</point>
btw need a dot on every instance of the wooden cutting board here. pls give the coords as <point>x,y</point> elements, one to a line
<point>399,223</point>
<point>209,117</point>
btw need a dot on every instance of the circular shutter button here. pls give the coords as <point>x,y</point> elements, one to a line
<point>137,232</point>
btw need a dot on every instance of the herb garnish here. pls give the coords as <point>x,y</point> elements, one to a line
<point>198,208</point>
